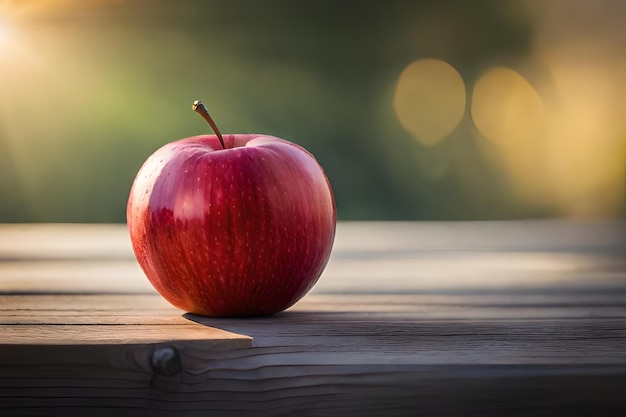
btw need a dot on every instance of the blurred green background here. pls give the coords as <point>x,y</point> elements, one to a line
<point>416,109</point>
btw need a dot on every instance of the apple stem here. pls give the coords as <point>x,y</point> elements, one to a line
<point>199,108</point>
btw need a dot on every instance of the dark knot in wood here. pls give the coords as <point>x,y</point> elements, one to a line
<point>165,361</point>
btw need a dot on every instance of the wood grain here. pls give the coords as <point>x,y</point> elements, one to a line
<point>435,319</point>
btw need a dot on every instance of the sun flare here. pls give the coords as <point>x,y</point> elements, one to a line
<point>5,34</point>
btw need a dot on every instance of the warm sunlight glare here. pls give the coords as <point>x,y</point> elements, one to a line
<point>4,32</point>
<point>566,154</point>
<point>5,35</point>
<point>585,145</point>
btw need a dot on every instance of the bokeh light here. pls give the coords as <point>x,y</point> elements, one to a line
<point>506,108</point>
<point>508,111</point>
<point>5,34</point>
<point>5,31</point>
<point>89,89</point>
<point>430,100</point>
<point>567,155</point>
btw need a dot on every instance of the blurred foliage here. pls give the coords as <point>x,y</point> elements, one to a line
<point>90,89</point>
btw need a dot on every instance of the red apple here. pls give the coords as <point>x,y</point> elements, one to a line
<point>233,225</point>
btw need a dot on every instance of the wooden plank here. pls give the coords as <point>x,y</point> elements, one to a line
<point>478,272</point>
<point>493,318</point>
<point>367,258</point>
<point>475,271</point>
<point>127,308</point>
<point>360,337</point>
<point>111,241</point>
<point>70,276</point>
<point>64,241</point>
<point>337,391</point>
<point>101,334</point>
<point>455,325</point>
<point>102,319</point>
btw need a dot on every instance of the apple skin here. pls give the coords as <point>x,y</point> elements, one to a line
<point>241,231</point>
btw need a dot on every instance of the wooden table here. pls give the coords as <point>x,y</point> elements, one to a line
<point>433,319</point>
